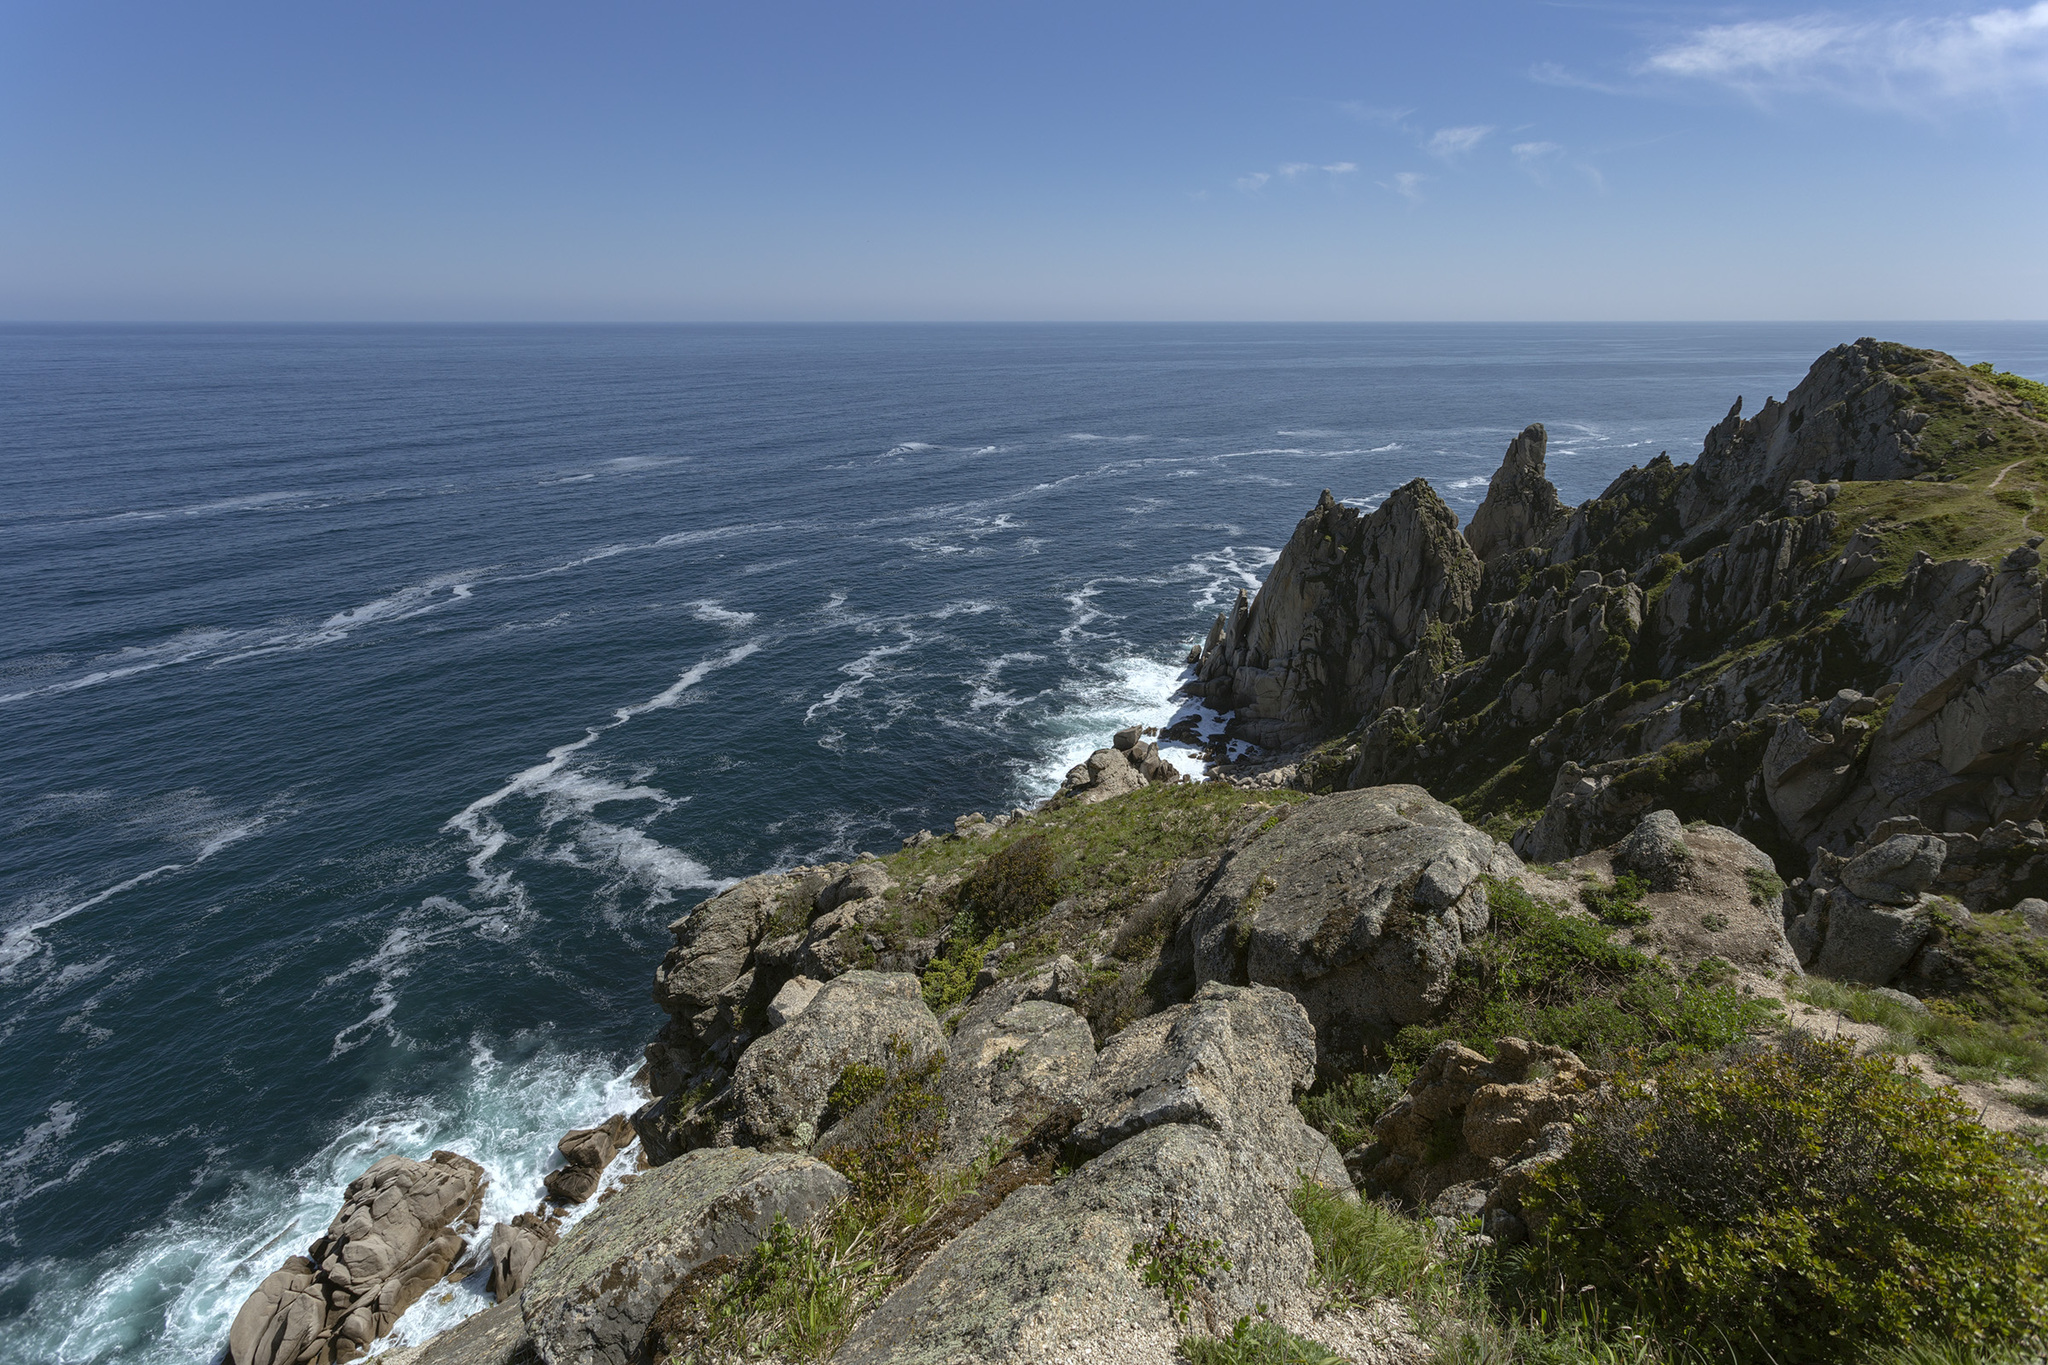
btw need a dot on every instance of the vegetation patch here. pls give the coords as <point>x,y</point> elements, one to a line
<point>1620,903</point>
<point>1961,1044</point>
<point>1795,1205</point>
<point>1256,1341</point>
<point>1175,1263</point>
<point>1555,978</point>
<point>1344,1110</point>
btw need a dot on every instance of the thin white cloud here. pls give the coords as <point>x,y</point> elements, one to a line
<point>1374,114</point>
<point>1294,168</point>
<point>1253,182</point>
<point>1906,63</point>
<point>1407,184</point>
<point>1454,142</point>
<point>1535,151</point>
<point>1341,167</point>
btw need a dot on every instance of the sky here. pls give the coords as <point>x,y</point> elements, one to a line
<point>1365,161</point>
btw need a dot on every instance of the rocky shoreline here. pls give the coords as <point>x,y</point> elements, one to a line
<point>1089,1079</point>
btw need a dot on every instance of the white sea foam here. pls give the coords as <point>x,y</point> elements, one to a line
<point>199,509</point>
<point>1136,691</point>
<point>859,673</point>
<point>168,1294</point>
<point>708,610</point>
<point>566,792</point>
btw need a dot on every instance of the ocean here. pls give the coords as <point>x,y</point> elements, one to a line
<point>372,698</point>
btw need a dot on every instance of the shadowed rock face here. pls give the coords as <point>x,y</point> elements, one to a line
<point>1349,599</point>
<point>593,1300</point>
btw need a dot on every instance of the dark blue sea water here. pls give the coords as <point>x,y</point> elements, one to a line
<point>372,698</point>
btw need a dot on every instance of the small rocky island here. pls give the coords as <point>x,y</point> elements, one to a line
<point>1627,939</point>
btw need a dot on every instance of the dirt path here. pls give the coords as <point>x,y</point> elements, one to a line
<point>1995,1109</point>
<point>2002,473</point>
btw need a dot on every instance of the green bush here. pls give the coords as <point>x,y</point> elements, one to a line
<point>948,979</point>
<point>1015,884</point>
<point>1556,978</point>
<point>1175,1263</point>
<point>1795,1205</point>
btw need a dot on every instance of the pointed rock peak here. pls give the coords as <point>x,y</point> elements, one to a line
<point>1326,501</point>
<point>1521,504</point>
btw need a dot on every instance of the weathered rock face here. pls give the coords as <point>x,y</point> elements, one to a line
<point>780,1087</point>
<point>1008,1066</point>
<point>399,1231</point>
<point>1522,508</point>
<point>1047,1276</point>
<point>1232,1059</point>
<point>1352,597</point>
<point>592,1301</point>
<point>1132,762</point>
<point>1469,1132</point>
<point>496,1336</point>
<point>1356,904</point>
<point>1714,894</point>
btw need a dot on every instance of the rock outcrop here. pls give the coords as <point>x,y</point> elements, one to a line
<point>1132,761</point>
<point>593,1300</point>
<point>1047,1277</point>
<point>401,1227</point>
<point>1468,1134</point>
<point>1522,508</point>
<point>1356,904</point>
<point>587,1151</point>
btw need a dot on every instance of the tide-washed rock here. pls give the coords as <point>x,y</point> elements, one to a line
<point>400,1229</point>
<point>592,1301</point>
<point>1046,1279</point>
<point>516,1248</point>
<point>1111,772</point>
<point>782,1082</point>
<point>1357,904</point>
<point>587,1151</point>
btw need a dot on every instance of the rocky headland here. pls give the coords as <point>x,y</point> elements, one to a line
<point>1564,828</point>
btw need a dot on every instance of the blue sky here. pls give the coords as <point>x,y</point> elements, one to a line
<point>1369,161</point>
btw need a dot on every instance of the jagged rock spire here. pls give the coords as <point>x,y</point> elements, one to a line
<point>1522,505</point>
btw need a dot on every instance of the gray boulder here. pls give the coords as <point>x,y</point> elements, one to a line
<point>2033,912</point>
<point>1656,851</point>
<point>1005,1072</point>
<point>1046,1279</point>
<point>400,1229</point>
<point>1897,870</point>
<point>782,1081</point>
<point>1232,1059</point>
<point>1357,904</point>
<point>592,1301</point>
<point>1860,940</point>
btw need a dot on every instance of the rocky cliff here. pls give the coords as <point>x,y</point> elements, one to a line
<point>1825,628</point>
<point>1105,1079</point>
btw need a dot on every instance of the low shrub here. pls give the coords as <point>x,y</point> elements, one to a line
<point>1621,903</point>
<point>948,979</point>
<point>900,1127</point>
<point>1175,1263</point>
<point>1795,1205</point>
<point>1015,884</point>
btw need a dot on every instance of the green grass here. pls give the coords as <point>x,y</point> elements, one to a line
<point>1365,1250</point>
<point>1620,902</point>
<point>1968,1048</point>
<point>1344,1110</point>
